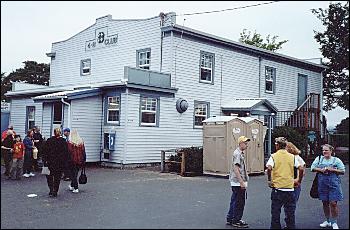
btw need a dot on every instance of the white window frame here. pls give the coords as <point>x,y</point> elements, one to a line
<point>270,77</point>
<point>30,116</point>
<point>117,102</point>
<point>201,109</point>
<point>149,108</point>
<point>85,65</point>
<point>146,61</point>
<point>207,63</point>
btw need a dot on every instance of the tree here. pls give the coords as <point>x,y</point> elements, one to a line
<point>257,41</point>
<point>343,126</point>
<point>32,73</point>
<point>334,43</point>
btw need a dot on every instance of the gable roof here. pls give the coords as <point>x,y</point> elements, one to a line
<point>248,104</point>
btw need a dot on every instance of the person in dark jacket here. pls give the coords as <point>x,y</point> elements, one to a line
<point>28,154</point>
<point>38,141</point>
<point>55,156</point>
<point>6,150</point>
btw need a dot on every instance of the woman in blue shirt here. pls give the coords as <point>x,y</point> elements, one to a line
<point>329,184</point>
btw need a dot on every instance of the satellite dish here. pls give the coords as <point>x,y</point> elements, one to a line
<point>181,105</point>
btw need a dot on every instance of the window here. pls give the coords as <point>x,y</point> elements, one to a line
<point>270,79</point>
<point>201,112</point>
<point>85,67</point>
<point>30,117</point>
<point>144,58</point>
<point>149,111</point>
<point>113,109</point>
<point>57,113</point>
<point>206,67</point>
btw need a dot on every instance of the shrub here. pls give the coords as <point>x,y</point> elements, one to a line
<point>292,135</point>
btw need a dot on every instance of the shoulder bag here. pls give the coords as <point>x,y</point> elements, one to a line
<point>314,187</point>
<point>83,177</point>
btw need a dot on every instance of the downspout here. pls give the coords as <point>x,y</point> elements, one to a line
<point>161,51</point>
<point>66,103</point>
<point>102,134</point>
<point>126,128</point>
<point>259,76</point>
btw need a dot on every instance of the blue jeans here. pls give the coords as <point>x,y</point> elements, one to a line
<point>237,203</point>
<point>297,191</point>
<point>74,176</point>
<point>28,162</point>
<point>287,200</point>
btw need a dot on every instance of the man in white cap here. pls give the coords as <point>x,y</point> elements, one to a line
<point>239,182</point>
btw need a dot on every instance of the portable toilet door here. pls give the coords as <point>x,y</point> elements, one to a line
<point>214,146</point>
<point>255,150</point>
<point>236,128</point>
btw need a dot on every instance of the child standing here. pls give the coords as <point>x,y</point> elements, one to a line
<point>18,159</point>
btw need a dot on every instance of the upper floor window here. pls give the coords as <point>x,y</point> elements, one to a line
<point>85,67</point>
<point>270,79</point>
<point>149,111</point>
<point>201,112</point>
<point>144,58</point>
<point>207,67</point>
<point>113,109</point>
<point>30,117</point>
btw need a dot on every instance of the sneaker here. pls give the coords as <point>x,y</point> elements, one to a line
<point>31,174</point>
<point>66,179</point>
<point>70,188</point>
<point>240,224</point>
<point>335,226</point>
<point>75,190</point>
<point>26,175</point>
<point>325,224</point>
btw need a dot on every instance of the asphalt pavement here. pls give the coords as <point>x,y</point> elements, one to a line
<point>147,199</point>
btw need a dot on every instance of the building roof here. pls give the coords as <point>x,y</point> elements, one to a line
<point>228,118</point>
<point>69,94</point>
<point>244,47</point>
<point>247,104</point>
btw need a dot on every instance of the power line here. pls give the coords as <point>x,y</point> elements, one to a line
<point>236,8</point>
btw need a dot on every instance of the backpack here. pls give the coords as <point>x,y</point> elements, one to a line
<point>77,153</point>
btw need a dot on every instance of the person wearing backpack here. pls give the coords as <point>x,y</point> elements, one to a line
<point>76,149</point>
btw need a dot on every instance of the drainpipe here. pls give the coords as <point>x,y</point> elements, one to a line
<point>66,103</point>
<point>259,76</point>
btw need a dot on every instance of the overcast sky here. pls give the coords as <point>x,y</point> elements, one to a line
<point>29,28</point>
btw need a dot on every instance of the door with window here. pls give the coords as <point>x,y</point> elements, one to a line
<point>57,116</point>
<point>302,88</point>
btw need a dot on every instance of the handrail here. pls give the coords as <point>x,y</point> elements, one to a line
<point>308,98</point>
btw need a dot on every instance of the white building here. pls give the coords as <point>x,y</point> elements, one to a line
<point>150,83</point>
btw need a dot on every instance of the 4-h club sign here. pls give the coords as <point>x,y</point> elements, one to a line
<point>102,40</point>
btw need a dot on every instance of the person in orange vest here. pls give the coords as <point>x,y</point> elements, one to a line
<point>17,159</point>
<point>280,175</point>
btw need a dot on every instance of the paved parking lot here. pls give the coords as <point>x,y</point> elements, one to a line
<point>140,198</point>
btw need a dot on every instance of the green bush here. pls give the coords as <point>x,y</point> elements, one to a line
<point>292,135</point>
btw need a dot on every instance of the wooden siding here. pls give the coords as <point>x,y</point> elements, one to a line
<point>106,63</point>
<point>47,120</point>
<point>18,114</point>
<point>87,119</point>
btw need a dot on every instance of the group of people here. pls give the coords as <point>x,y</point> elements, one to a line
<point>63,155</point>
<point>21,157</point>
<point>285,172</point>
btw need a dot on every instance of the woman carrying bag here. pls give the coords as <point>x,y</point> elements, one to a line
<point>76,149</point>
<point>329,185</point>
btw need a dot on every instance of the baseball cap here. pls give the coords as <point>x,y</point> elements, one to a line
<point>243,139</point>
<point>66,130</point>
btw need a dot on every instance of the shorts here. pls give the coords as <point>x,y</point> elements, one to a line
<point>329,187</point>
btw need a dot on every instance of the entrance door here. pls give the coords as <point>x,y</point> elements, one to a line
<point>57,116</point>
<point>302,88</point>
